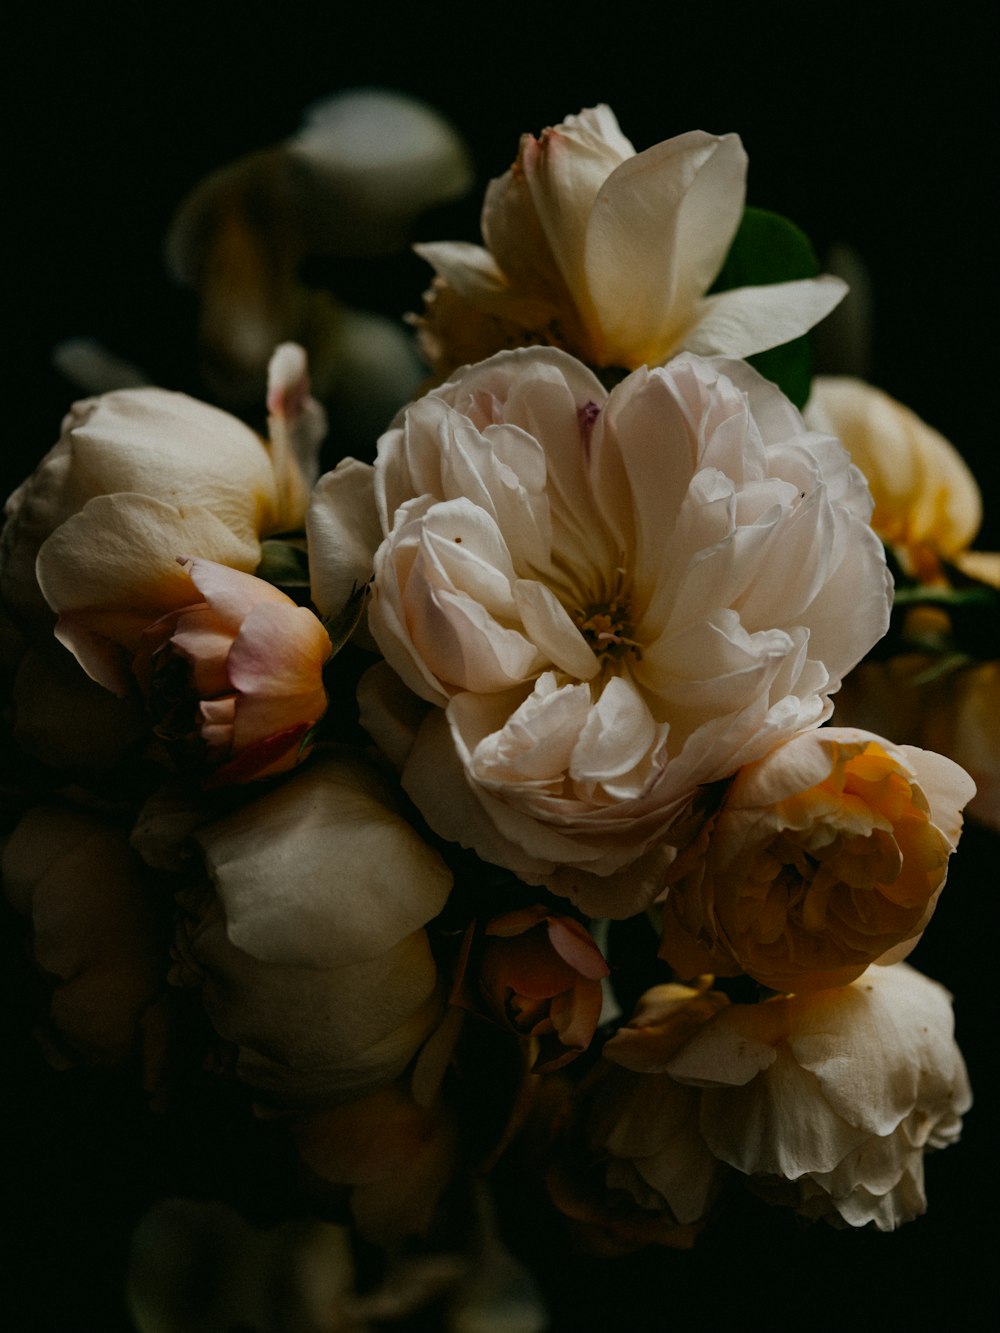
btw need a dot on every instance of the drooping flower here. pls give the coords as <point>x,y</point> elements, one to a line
<point>828,1102</point>
<point>825,855</point>
<point>609,600</point>
<point>927,502</point>
<point>235,680</point>
<point>629,1165</point>
<point>609,254</point>
<point>310,952</point>
<point>538,973</point>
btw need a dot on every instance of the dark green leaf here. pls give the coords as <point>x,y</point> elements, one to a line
<point>768,248</point>
<point>283,563</point>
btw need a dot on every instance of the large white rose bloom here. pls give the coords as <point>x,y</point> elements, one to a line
<point>829,1101</point>
<point>610,599</point>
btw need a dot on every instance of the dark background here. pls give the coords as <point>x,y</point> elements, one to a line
<point>877,133</point>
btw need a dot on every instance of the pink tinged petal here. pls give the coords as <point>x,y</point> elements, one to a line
<point>673,210</point>
<point>343,532</point>
<point>574,944</point>
<point>113,565</point>
<point>296,423</point>
<point>232,595</point>
<point>275,753</point>
<point>746,320</point>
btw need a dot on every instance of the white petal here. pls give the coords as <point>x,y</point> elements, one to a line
<point>752,319</point>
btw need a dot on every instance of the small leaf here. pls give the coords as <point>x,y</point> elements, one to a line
<point>341,626</point>
<point>283,563</point>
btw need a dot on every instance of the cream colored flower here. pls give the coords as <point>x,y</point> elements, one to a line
<point>829,1101</point>
<point>926,499</point>
<point>609,254</point>
<point>311,958</point>
<point>139,478</point>
<point>825,855</point>
<point>609,600</point>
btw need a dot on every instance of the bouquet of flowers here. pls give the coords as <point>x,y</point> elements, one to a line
<point>478,804</point>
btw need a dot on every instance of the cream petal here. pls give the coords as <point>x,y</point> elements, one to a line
<point>343,533</point>
<point>746,320</point>
<point>673,211</point>
<point>549,626</point>
<point>360,879</point>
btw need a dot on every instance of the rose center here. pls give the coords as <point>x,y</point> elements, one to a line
<point>608,625</point>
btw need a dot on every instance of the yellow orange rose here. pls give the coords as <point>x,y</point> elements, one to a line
<point>823,857</point>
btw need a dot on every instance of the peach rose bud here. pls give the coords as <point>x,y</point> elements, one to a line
<point>235,680</point>
<point>540,976</point>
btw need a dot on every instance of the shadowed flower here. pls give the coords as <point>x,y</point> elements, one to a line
<point>610,599</point>
<point>825,855</point>
<point>539,974</point>
<point>609,254</point>
<point>311,955</point>
<point>630,1167</point>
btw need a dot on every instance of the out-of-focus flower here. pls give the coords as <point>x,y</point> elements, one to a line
<point>610,599</point>
<point>956,712</point>
<point>349,184</point>
<point>235,680</point>
<point>825,855</point>
<point>294,1278</point>
<point>828,1101</point>
<point>539,974</point>
<point>312,958</point>
<point>927,502</point>
<point>630,1167</point>
<point>98,929</point>
<point>609,254</point>
<point>393,1155</point>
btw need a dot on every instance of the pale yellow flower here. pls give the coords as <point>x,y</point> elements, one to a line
<point>927,502</point>
<point>609,254</point>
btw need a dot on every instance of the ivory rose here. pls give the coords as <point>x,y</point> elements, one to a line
<point>829,1101</point>
<point>824,855</point>
<point>139,477</point>
<point>609,254</point>
<point>235,680</point>
<point>609,600</point>
<point>927,502</point>
<point>538,973</point>
<point>309,949</point>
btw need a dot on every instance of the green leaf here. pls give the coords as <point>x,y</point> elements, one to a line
<point>283,563</point>
<point>341,626</point>
<point>768,248</point>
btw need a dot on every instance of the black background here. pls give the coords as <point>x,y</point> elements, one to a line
<point>877,133</point>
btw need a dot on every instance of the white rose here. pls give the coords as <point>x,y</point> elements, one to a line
<point>610,599</point>
<point>828,1101</point>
